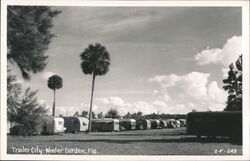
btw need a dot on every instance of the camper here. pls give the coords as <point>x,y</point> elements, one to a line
<point>170,123</point>
<point>183,122</point>
<point>139,124</point>
<point>72,124</point>
<point>163,123</point>
<point>105,125</point>
<point>53,125</point>
<point>84,123</point>
<point>212,124</point>
<point>155,124</point>
<point>128,124</point>
<point>146,124</point>
<point>177,123</point>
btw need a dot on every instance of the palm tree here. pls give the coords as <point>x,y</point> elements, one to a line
<point>95,61</point>
<point>54,83</point>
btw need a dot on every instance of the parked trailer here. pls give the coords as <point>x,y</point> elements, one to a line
<point>163,123</point>
<point>105,125</point>
<point>128,124</point>
<point>183,122</point>
<point>72,124</point>
<point>139,124</point>
<point>155,124</point>
<point>177,123</point>
<point>146,124</point>
<point>75,124</point>
<point>53,125</point>
<point>171,123</point>
<point>212,124</point>
<point>84,123</point>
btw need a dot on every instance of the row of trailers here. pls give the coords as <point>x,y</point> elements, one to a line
<point>209,124</point>
<point>56,125</point>
<point>115,125</point>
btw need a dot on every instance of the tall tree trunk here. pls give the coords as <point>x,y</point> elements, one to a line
<point>91,101</point>
<point>54,103</point>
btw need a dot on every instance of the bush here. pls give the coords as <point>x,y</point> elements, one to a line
<point>29,115</point>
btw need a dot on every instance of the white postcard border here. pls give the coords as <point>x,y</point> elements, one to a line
<point>246,111</point>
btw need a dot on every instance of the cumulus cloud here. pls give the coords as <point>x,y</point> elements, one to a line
<point>116,101</point>
<point>46,75</point>
<point>182,93</point>
<point>208,56</point>
<point>124,107</point>
<point>228,54</point>
<point>166,80</point>
<point>215,93</point>
<point>174,94</point>
<point>159,103</point>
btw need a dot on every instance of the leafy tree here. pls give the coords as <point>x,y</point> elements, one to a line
<point>153,116</point>
<point>76,114</point>
<point>139,113</point>
<point>134,115</point>
<point>112,113</point>
<point>54,83</point>
<point>137,116</point>
<point>84,114</point>
<point>28,37</point>
<point>233,84</point>
<point>127,116</point>
<point>14,91</point>
<point>29,114</point>
<point>95,61</point>
<point>100,115</point>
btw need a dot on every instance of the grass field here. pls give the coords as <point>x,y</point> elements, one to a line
<point>139,142</point>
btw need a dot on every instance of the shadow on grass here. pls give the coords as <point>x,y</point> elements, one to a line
<point>181,140</point>
<point>141,133</point>
<point>134,134</point>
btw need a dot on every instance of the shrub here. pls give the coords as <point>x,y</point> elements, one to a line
<point>29,115</point>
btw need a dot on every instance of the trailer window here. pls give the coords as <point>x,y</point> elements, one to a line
<point>60,122</point>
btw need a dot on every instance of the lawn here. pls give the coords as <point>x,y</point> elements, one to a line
<point>139,142</point>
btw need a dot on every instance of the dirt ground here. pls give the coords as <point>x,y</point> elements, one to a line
<point>138,142</point>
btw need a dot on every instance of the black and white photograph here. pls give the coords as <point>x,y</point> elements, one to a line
<point>134,80</point>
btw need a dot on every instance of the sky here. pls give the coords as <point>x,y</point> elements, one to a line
<point>163,59</point>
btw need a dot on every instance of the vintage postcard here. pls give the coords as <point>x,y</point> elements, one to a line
<point>124,80</point>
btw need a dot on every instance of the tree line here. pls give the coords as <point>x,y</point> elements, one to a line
<point>114,114</point>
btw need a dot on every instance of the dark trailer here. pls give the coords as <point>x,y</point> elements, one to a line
<point>72,124</point>
<point>105,125</point>
<point>212,124</point>
<point>143,124</point>
<point>128,124</point>
<point>155,124</point>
